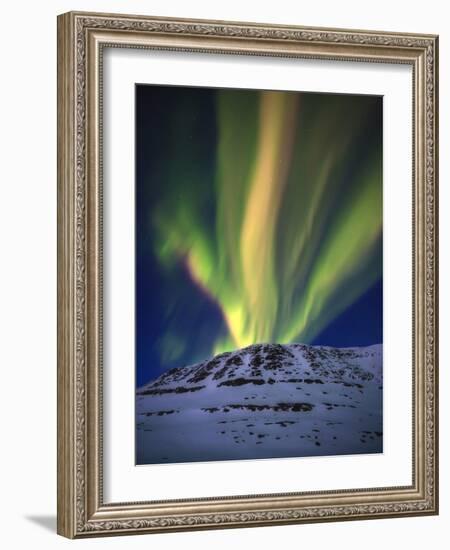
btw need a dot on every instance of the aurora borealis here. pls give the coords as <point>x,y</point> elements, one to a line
<point>258,220</point>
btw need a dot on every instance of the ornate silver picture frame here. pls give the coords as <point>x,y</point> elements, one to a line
<point>83,511</point>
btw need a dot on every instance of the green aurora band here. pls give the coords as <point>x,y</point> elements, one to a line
<point>288,232</point>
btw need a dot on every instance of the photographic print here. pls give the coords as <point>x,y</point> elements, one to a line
<point>258,274</point>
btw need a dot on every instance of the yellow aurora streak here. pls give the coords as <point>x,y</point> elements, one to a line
<point>257,245</point>
<point>289,251</point>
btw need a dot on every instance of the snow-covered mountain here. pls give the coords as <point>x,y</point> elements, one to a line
<point>264,401</point>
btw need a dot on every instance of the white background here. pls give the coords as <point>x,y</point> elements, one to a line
<point>28,271</point>
<point>123,482</point>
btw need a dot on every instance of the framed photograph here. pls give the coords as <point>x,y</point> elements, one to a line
<point>247,274</point>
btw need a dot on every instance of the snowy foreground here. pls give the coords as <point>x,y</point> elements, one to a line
<point>264,401</point>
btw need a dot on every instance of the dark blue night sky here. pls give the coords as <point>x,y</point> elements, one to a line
<point>258,218</point>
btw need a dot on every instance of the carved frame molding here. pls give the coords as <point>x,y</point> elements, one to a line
<point>81,39</point>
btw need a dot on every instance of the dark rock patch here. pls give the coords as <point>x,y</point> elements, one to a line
<point>161,413</point>
<point>178,389</point>
<point>242,381</point>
